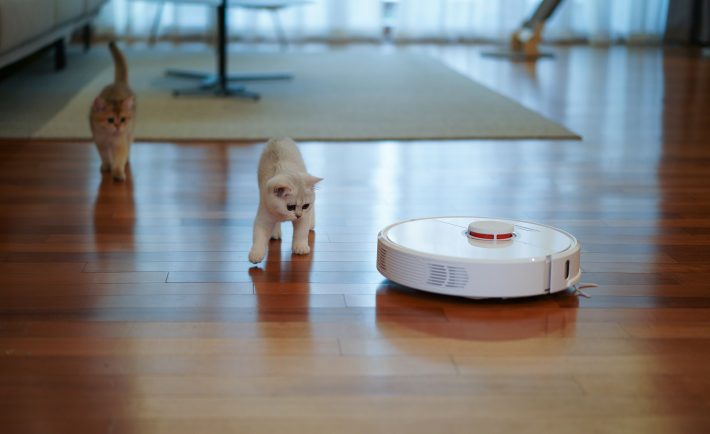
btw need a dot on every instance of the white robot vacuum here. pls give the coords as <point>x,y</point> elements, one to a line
<point>478,258</point>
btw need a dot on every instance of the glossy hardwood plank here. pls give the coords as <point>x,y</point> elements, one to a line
<point>149,288</point>
<point>186,301</point>
<point>431,325</point>
<point>387,408</point>
<point>221,266</point>
<point>194,362</point>
<point>672,331</point>
<point>131,347</point>
<point>79,277</point>
<point>648,424</point>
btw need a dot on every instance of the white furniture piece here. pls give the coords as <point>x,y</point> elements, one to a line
<point>274,7</point>
<point>157,18</point>
<point>27,26</point>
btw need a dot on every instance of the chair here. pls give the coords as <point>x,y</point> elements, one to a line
<point>272,6</point>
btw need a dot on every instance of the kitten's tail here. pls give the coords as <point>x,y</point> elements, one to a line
<point>120,64</point>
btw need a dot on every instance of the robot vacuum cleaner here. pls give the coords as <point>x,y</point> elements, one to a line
<point>478,258</point>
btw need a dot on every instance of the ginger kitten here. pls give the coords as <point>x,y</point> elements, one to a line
<point>112,119</point>
<point>286,193</point>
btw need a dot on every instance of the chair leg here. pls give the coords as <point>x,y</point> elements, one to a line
<point>280,34</point>
<point>156,23</point>
<point>86,36</point>
<point>60,54</point>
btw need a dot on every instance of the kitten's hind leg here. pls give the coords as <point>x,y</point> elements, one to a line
<point>313,218</point>
<point>276,233</point>
<point>128,152</point>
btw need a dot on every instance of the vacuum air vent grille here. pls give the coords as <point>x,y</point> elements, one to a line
<point>446,276</point>
<point>381,258</point>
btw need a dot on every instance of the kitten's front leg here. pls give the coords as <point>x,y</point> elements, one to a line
<point>300,236</point>
<point>105,158</point>
<point>120,157</point>
<point>262,232</point>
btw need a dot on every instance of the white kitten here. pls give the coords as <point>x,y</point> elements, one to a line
<point>285,194</point>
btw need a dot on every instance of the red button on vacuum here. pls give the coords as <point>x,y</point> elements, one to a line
<point>490,230</point>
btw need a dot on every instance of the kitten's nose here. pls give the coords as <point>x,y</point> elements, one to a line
<point>298,216</point>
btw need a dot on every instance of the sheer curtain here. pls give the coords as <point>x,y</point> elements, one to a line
<point>412,20</point>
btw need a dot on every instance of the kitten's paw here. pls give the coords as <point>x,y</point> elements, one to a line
<point>105,167</point>
<point>301,248</point>
<point>256,255</point>
<point>276,234</point>
<point>118,175</point>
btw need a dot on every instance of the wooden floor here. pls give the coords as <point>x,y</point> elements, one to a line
<point>131,308</point>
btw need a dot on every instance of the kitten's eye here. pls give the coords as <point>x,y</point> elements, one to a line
<point>305,205</point>
<point>291,207</point>
<point>123,120</point>
<point>110,120</point>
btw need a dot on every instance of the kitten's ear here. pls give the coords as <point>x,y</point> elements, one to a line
<point>278,186</point>
<point>99,104</point>
<point>312,180</point>
<point>128,104</point>
<point>280,190</point>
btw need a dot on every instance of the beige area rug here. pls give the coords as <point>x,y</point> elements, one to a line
<point>346,95</point>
